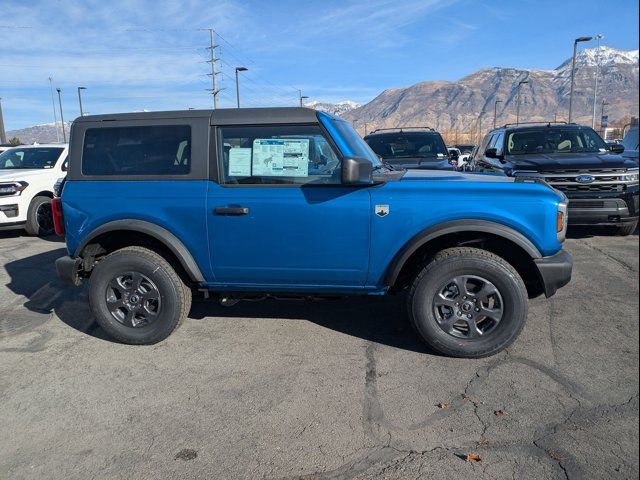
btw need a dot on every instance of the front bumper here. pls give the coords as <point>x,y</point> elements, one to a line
<point>604,209</point>
<point>68,269</point>
<point>554,271</point>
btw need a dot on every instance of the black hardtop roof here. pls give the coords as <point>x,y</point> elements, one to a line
<point>221,116</point>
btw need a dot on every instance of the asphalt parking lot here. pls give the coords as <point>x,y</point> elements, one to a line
<point>336,389</point>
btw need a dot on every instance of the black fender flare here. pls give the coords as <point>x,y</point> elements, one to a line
<point>456,226</point>
<point>161,234</point>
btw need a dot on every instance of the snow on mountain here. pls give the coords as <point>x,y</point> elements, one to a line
<point>338,108</point>
<point>603,56</point>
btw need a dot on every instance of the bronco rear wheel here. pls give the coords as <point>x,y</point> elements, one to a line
<point>468,302</point>
<point>137,297</point>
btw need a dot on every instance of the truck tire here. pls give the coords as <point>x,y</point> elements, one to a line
<point>39,217</point>
<point>626,230</point>
<point>137,297</point>
<point>467,302</point>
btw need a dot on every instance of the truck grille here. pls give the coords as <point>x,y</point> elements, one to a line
<point>605,180</point>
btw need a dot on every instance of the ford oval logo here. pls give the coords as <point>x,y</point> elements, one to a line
<point>585,178</point>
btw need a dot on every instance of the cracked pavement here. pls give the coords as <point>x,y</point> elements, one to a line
<point>318,390</point>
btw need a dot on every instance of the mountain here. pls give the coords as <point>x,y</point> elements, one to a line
<point>339,108</point>
<point>463,108</point>
<point>45,133</point>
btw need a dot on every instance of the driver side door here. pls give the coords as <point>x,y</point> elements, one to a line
<point>279,217</point>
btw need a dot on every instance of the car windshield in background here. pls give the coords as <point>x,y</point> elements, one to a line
<point>630,140</point>
<point>29,158</point>
<point>554,140</point>
<point>465,148</point>
<point>408,145</point>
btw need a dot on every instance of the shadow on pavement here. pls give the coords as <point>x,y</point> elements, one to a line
<point>379,319</point>
<point>589,232</point>
<point>17,233</point>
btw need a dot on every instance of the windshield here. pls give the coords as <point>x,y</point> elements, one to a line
<point>347,139</point>
<point>409,145</point>
<point>22,158</point>
<point>554,140</point>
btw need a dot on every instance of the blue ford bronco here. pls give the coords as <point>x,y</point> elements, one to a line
<point>255,203</point>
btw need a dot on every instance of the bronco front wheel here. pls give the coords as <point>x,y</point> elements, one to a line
<point>468,302</point>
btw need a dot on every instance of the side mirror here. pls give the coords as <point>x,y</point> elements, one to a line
<point>65,166</point>
<point>356,170</point>
<point>616,148</point>
<point>492,153</point>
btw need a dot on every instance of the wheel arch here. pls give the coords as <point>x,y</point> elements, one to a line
<point>500,239</point>
<point>43,193</point>
<point>121,233</point>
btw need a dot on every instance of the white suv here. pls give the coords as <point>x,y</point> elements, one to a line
<point>27,176</point>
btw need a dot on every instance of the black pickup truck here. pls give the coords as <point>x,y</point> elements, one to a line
<point>601,184</point>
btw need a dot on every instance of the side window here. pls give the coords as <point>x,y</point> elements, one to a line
<point>498,142</point>
<point>486,143</point>
<point>149,150</point>
<point>276,155</point>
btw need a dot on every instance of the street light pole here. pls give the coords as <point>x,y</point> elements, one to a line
<point>595,86</point>
<point>80,100</point>
<point>239,69</point>
<point>64,134</point>
<point>573,71</point>
<point>3,134</point>
<point>495,112</point>
<point>522,82</point>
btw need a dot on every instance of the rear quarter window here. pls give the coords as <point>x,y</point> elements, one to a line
<point>144,150</point>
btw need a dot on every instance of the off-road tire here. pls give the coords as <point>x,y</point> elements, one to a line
<point>467,261</point>
<point>33,227</point>
<point>175,294</point>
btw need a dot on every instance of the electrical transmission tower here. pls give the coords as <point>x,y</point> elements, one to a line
<point>212,60</point>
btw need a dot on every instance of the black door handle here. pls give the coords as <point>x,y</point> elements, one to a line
<point>231,211</point>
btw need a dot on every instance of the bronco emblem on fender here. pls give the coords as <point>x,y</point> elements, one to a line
<point>382,210</point>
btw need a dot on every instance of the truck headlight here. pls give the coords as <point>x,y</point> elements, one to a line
<point>561,221</point>
<point>630,176</point>
<point>13,188</point>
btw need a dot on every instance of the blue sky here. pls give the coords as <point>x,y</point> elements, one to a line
<point>150,54</point>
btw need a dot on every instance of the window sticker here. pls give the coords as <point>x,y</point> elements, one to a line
<point>296,157</point>
<point>268,157</point>
<point>240,162</point>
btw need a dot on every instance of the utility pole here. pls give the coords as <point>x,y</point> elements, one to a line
<point>595,86</point>
<point>573,71</point>
<point>213,60</point>
<point>3,134</point>
<point>495,112</point>
<point>80,100</point>
<point>302,97</point>
<point>53,106</point>
<point>64,134</point>
<point>479,129</point>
